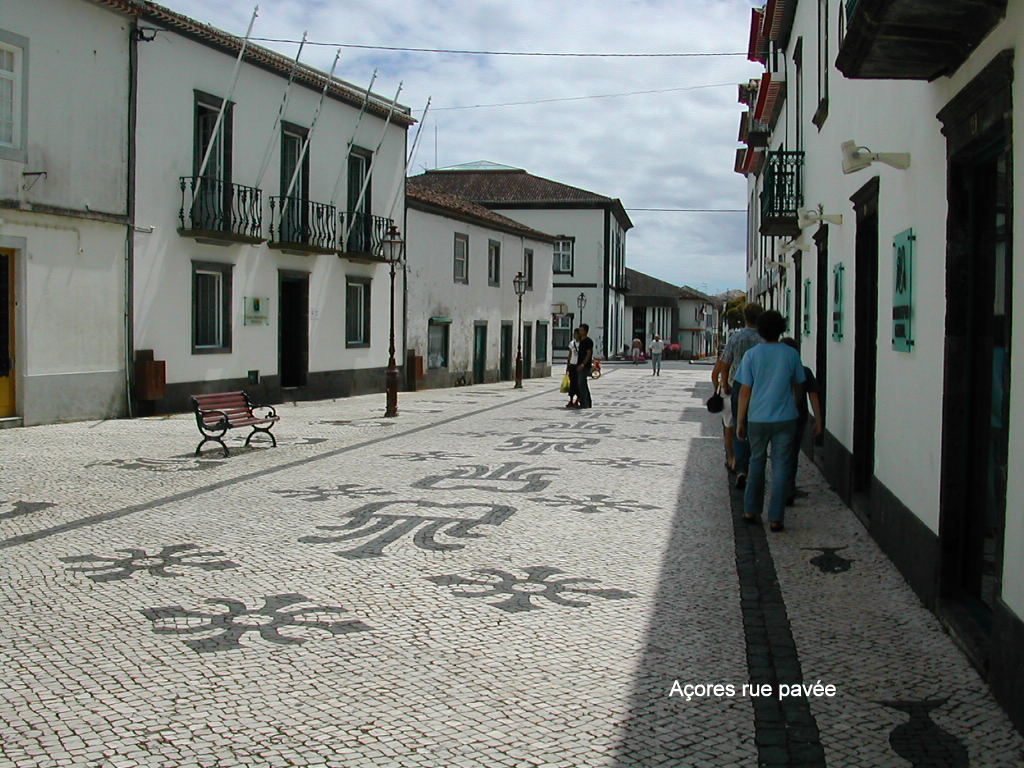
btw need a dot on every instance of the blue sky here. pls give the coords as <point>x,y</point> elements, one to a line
<point>664,150</point>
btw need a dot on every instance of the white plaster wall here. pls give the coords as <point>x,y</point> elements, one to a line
<point>170,69</point>
<point>898,116</point>
<point>587,226</point>
<point>434,293</point>
<point>78,86</point>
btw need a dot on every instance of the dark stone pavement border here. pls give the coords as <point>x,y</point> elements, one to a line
<point>785,731</point>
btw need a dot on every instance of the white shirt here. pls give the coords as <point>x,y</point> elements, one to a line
<point>574,351</point>
<point>657,347</point>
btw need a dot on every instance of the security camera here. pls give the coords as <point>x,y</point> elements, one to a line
<point>857,158</point>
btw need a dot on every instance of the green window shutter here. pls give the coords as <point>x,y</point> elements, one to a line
<point>902,291</point>
<point>789,310</point>
<point>837,301</point>
<point>807,307</point>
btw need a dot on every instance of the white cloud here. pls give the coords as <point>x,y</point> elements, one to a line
<point>668,150</point>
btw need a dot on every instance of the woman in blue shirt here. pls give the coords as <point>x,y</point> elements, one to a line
<point>768,416</point>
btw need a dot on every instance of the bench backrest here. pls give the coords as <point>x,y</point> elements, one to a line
<point>232,404</point>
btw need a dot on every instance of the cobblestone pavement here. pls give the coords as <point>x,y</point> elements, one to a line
<point>489,580</point>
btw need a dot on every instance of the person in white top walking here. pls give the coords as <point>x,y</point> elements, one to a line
<point>570,369</point>
<point>656,349</point>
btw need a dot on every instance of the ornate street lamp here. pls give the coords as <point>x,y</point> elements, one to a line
<point>392,249</point>
<point>581,302</point>
<point>519,284</point>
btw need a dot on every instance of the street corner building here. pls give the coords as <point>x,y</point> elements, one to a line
<point>880,153</point>
<point>589,249</point>
<point>169,226</point>
<point>463,260</point>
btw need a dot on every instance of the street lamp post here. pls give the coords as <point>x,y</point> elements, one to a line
<point>581,302</point>
<point>393,252</point>
<point>519,284</point>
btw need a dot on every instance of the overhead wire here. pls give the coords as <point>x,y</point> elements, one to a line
<point>405,49</point>
<point>582,98</point>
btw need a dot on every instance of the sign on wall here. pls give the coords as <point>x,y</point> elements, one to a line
<point>807,307</point>
<point>257,310</point>
<point>902,291</point>
<point>837,301</point>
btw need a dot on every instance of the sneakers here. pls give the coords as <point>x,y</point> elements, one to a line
<point>741,481</point>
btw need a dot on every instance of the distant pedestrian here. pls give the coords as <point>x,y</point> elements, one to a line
<point>809,391</point>
<point>570,369</point>
<point>657,349</point>
<point>727,365</point>
<point>768,414</point>
<point>586,360</point>
<point>638,347</point>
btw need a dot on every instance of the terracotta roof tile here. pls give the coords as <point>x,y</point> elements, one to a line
<point>462,208</point>
<point>516,188</point>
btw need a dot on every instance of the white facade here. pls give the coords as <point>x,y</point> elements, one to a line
<point>590,243</point>
<point>63,209</point>
<point>473,317</point>
<point>302,337</point>
<point>896,438</point>
<point>698,319</point>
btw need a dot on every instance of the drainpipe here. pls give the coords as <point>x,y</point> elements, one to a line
<point>129,243</point>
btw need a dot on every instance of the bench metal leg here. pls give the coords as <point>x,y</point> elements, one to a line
<point>206,440</point>
<point>266,431</point>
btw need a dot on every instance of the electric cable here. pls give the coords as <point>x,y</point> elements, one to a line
<point>508,53</point>
<point>582,98</point>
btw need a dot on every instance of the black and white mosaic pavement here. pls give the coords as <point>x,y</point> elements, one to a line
<point>489,580</point>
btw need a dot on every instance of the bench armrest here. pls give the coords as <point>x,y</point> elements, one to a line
<point>271,413</point>
<point>204,426</point>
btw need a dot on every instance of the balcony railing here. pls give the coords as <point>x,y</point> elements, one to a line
<point>302,225</point>
<point>913,40</point>
<point>218,211</point>
<point>365,233</point>
<point>782,194</point>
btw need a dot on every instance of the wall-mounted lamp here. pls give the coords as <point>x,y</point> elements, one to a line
<point>809,217</point>
<point>857,158</point>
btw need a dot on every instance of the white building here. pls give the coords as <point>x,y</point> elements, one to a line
<point>894,255</point>
<point>698,323</point>
<point>463,310</point>
<point>589,258</point>
<point>65,86</point>
<point>261,270</point>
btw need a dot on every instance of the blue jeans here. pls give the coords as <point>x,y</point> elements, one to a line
<point>781,435</point>
<point>656,364</point>
<point>740,448</point>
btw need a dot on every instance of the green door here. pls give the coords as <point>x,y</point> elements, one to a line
<point>479,353</point>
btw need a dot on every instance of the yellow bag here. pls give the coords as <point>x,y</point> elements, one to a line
<point>565,384</point>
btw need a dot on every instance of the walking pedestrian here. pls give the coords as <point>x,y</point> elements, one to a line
<point>656,349</point>
<point>768,414</point>
<point>809,391</point>
<point>570,370</point>
<point>638,347</point>
<point>727,365</point>
<point>728,425</point>
<point>586,360</point>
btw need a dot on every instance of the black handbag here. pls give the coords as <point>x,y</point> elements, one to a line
<point>715,403</point>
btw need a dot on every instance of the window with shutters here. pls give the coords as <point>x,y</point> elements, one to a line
<point>542,342</point>
<point>461,259</point>
<point>493,262</point>
<point>12,96</point>
<point>902,291</point>
<point>357,312</point>
<point>211,307</point>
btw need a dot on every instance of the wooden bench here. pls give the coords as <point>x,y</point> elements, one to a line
<point>217,413</point>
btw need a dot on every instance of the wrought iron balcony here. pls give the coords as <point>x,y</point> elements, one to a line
<point>782,194</point>
<point>219,212</point>
<point>913,39</point>
<point>302,226</point>
<point>363,234</point>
